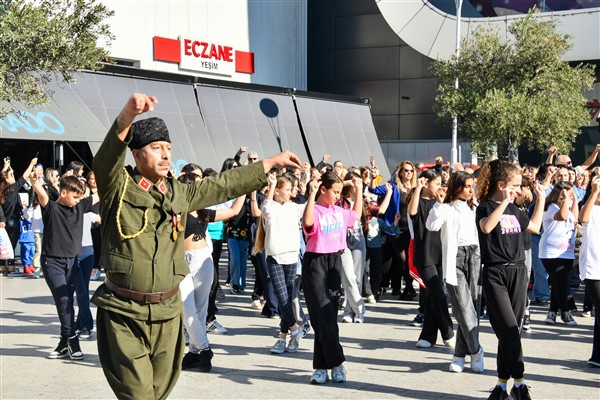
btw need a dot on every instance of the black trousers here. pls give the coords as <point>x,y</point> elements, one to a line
<point>505,289</point>
<point>372,280</point>
<point>322,282</point>
<point>212,296</point>
<point>592,288</point>
<point>437,317</point>
<point>558,270</point>
<point>60,274</point>
<point>13,234</point>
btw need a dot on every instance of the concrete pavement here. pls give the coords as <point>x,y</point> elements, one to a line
<point>382,361</point>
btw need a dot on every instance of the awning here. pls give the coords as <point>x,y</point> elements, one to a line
<point>207,123</point>
<point>105,95</point>
<point>265,122</point>
<point>65,118</point>
<point>345,131</point>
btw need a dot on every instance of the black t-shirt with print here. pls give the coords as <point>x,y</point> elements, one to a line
<point>505,243</point>
<point>63,228</point>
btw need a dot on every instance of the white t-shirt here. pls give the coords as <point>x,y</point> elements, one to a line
<point>589,253</point>
<point>282,234</point>
<point>558,237</point>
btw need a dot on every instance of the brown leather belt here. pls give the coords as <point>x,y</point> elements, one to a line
<point>145,298</point>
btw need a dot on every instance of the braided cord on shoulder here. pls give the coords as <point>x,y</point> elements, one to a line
<point>133,236</point>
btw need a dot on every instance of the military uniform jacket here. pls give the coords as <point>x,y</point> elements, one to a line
<point>154,260</point>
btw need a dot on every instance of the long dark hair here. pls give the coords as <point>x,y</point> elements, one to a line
<point>542,172</point>
<point>191,167</point>
<point>5,187</point>
<point>456,184</point>
<point>189,178</point>
<point>328,179</point>
<point>429,174</point>
<point>228,164</point>
<point>555,193</point>
<point>588,190</point>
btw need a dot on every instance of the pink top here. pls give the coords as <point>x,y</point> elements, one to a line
<point>328,234</point>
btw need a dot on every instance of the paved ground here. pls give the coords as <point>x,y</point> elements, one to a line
<point>382,361</point>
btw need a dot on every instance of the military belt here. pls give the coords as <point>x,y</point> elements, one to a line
<point>145,298</point>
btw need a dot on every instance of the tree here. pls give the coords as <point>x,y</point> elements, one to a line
<point>515,92</point>
<point>41,38</point>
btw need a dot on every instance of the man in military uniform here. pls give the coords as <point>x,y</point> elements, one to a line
<point>139,319</point>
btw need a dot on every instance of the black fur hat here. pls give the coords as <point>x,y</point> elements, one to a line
<point>149,130</point>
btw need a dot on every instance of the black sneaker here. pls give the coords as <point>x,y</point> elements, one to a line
<point>520,393</point>
<point>61,350</point>
<point>190,360</point>
<point>74,350</point>
<point>498,394</point>
<point>204,364</point>
<point>305,328</point>
<point>418,321</point>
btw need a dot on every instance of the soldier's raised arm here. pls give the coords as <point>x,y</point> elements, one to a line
<point>137,104</point>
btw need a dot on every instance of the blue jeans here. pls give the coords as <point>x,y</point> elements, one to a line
<point>238,259</point>
<point>82,289</point>
<point>541,290</point>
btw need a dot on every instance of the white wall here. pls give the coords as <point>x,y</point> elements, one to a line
<point>274,31</point>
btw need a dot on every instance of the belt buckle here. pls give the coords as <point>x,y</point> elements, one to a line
<point>153,298</point>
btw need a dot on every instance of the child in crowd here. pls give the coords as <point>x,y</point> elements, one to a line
<point>428,260</point>
<point>375,228</point>
<point>34,214</point>
<point>84,322</point>
<point>278,236</point>
<point>301,317</point>
<point>195,287</point>
<point>557,247</point>
<point>63,227</point>
<point>589,257</point>
<point>27,242</point>
<point>325,228</point>
<point>455,217</point>
<point>354,258</point>
<point>504,276</point>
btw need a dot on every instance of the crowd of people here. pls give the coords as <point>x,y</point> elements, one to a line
<point>340,236</point>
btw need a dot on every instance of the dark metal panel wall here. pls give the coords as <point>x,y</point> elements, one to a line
<point>264,122</point>
<point>345,131</point>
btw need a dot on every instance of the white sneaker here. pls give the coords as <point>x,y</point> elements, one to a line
<point>347,318</point>
<point>423,344</point>
<point>359,318</point>
<point>450,342</point>
<point>256,304</point>
<point>371,299</point>
<point>457,364</point>
<point>319,376</point>
<point>338,374</point>
<point>294,342</point>
<point>278,347</point>
<point>215,327</point>
<point>477,361</point>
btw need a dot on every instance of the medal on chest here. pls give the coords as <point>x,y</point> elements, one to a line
<point>177,226</point>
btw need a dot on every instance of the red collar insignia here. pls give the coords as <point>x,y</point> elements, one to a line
<point>161,187</point>
<point>145,184</point>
